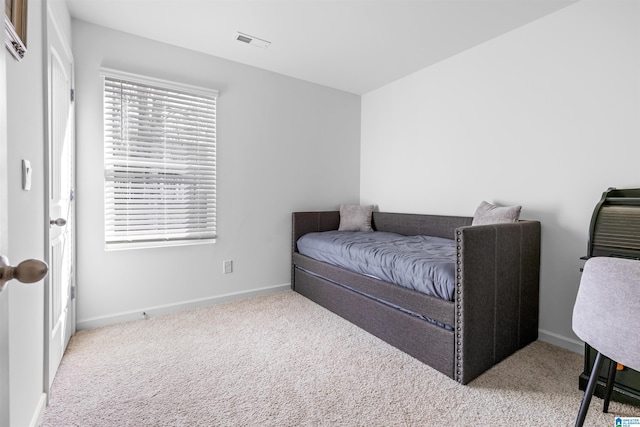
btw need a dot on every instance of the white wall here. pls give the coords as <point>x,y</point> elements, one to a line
<point>283,145</point>
<point>547,116</point>
<point>25,131</point>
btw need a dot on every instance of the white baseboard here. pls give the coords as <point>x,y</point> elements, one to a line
<point>97,322</point>
<point>38,415</point>
<point>561,341</point>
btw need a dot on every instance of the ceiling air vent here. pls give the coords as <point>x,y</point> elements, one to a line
<point>253,41</point>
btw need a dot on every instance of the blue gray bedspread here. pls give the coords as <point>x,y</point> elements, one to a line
<point>422,263</point>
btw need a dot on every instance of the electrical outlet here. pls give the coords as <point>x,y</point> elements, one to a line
<point>227,267</point>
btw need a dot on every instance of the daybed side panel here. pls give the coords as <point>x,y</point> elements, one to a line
<point>499,282</point>
<point>309,222</point>
<point>517,286</point>
<point>428,343</point>
<point>507,293</point>
<point>475,302</point>
<point>530,290</point>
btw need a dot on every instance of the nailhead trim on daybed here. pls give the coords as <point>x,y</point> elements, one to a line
<point>458,375</point>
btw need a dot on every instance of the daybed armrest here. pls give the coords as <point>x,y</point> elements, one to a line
<point>309,222</point>
<point>497,289</point>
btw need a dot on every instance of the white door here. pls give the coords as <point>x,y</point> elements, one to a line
<point>60,316</point>
<point>4,227</point>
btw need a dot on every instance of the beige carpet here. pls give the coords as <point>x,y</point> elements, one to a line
<point>281,360</point>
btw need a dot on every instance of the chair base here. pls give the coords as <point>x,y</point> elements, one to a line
<point>626,388</point>
<point>591,386</point>
<point>611,379</point>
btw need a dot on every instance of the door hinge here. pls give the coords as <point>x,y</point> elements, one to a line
<point>73,95</point>
<point>73,292</point>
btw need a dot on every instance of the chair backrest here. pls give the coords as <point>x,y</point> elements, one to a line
<point>606,314</point>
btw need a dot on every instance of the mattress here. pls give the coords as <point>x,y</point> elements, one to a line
<point>423,263</point>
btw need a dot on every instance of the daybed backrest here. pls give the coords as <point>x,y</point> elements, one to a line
<point>416,224</point>
<point>407,224</point>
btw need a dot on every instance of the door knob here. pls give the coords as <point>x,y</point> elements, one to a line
<point>60,222</point>
<point>28,271</point>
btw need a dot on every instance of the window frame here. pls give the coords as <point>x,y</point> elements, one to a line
<point>161,239</point>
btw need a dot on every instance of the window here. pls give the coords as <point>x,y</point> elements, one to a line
<point>159,162</point>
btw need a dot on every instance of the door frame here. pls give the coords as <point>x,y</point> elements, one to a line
<point>4,246</point>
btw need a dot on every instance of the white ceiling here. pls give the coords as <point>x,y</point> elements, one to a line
<point>352,45</point>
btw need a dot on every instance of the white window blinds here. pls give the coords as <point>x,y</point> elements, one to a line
<point>160,162</point>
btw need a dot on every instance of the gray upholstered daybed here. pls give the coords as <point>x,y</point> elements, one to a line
<point>494,311</point>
